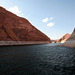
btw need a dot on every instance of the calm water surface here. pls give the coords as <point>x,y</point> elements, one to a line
<point>37,60</point>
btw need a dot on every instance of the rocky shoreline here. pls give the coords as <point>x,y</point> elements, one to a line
<point>69,43</point>
<point>11,43</point>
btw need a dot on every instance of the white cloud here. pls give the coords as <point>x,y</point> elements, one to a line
<point>15,10</point>
<point>50,24</point>
<point>45,20</point>
<point>51,18</point>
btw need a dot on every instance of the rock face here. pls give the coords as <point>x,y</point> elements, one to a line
<point>53,41</point>
<point>14,28</point>
<point>71,41</point>
<point>62,39</point>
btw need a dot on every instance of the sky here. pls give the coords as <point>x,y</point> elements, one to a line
<point>55,18</point>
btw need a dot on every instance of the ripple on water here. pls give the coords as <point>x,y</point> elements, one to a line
<point>37,60</point>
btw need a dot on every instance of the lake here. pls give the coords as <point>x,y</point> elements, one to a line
<point>47,59</point>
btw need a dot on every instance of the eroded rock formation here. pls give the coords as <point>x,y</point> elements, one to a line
<point>15,28</point>
<point>71,41</point>
<point>62,39</point>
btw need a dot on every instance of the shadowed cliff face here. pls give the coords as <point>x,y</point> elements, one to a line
<point>14,28</point>
<point>62,39</point>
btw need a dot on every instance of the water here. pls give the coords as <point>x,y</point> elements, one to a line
<point>37,60</point>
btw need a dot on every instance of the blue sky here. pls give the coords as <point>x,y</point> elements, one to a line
<point>53,17</point>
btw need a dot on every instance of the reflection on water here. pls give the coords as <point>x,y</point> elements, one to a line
<point>37,60</point>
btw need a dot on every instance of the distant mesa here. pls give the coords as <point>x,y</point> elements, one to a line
<point>62,39</point>
<point>71,41</point>
<point>15,28</point>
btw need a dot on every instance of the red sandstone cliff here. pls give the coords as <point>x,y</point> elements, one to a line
<point>15,28</point>
<point>71,41</point>
<point>62,39</point>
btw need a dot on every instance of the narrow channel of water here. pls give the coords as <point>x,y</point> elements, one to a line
<point>37,60</point>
